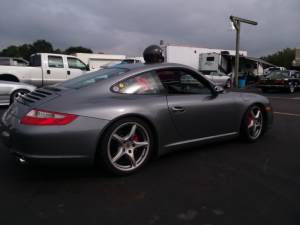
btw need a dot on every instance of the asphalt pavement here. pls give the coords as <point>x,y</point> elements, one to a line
<point>224,183</point>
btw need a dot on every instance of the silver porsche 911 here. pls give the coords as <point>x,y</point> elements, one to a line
<point>9,91</point>
<point>121,117</point>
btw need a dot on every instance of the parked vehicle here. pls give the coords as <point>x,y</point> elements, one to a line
<point>45,69</point>
<point>121,117</point>
<point>9,91</point>
<point>190,56</point>
<point>219,78</point>
<point>273,68</point>
<point>97,61</point>
<point>284,80</point>
<point>13,61</point>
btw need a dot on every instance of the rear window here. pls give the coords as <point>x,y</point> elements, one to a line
<point>35,60</point>
<point>92,78</point>
<point>278,75</point>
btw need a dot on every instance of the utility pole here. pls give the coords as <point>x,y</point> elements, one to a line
<point>237,25</point>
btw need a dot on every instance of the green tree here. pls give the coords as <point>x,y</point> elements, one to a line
<point>42,46</point>
<point>11,51</point>
<point>77,49</point>
<point>25,51</point>
<point>39,46</point>
<point>283,58</point>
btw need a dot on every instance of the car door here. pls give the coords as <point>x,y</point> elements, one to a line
<point>196,111</point>
<point>75,67</point>
<point>55,71</point>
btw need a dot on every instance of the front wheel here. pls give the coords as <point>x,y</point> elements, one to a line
<point>126,146</point>
<point>253,124</point>
<point>228,84</point>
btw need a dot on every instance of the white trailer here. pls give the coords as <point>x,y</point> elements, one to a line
<point>189,55</point>
<point>96,61</point>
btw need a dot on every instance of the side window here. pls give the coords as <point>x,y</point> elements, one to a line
<point>145,83</point>
<point>35,61</point>
<point>74,63</point>
<point>182,82</point>
<point>55,61</point>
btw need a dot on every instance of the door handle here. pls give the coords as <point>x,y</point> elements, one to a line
<point>48,71</point>
<point>177,109</point>
<point>68,72</point>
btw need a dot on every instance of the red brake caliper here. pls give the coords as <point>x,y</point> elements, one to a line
<point>135,138</point>
<point>250,119</point>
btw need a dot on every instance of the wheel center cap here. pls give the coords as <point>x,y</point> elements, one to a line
<point>127,145</point>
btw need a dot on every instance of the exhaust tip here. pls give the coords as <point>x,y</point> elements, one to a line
<point>22,160</point>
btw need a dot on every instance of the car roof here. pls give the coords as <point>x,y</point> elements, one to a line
<point>142,66</point>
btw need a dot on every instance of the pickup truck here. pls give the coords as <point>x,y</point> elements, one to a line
<point>45,69</point>
<point>13,61</point>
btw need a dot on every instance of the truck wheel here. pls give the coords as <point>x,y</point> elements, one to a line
<point>291,88</point>
<point>16,94</point>
<point>228,84</point>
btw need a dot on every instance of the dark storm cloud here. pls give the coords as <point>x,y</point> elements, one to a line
<point>127,26</point>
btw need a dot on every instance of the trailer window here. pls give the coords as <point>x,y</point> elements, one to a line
<point>55,61</point>
<point>210,59</point>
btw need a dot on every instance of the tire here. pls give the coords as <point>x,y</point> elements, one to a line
<point>291,88</point>
<point>17,93</point>
<point>126,146</point>
<point>228,84</point>
<point>252,127</point>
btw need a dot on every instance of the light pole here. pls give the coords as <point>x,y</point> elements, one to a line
<point>237,25</point>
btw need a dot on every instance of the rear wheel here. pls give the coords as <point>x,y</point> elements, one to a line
<point>17,94</point>
<point>291,88</point>
<point>253,124</point>
<point>126,146</point>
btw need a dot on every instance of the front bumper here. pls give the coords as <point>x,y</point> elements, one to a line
<point>76,141</point>
<point>272,86</point>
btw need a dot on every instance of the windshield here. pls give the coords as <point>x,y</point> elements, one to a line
<point>278,75</point>
<point>92,78</point>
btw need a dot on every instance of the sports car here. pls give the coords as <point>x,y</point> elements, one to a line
<point>123,116</point>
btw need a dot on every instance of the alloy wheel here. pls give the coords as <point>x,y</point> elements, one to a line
<point>255,122</point>
<point>292,88</point>
<point>128,146</point>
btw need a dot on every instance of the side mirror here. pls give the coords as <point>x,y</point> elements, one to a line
<point>219,89</point>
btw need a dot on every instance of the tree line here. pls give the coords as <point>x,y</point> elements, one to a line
<point>25,50</point>
<point>283,58</point>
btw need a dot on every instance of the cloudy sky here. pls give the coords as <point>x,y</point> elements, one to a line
<point>128,26</point>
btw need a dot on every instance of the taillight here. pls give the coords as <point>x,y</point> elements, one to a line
<point>40,117</point>
<point>279,81</point>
